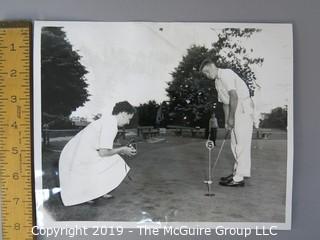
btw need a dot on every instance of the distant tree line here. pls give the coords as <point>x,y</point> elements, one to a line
<point>191,96</point>
<point>277,118</point>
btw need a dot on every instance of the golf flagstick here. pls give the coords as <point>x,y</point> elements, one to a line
<point>210,145</point>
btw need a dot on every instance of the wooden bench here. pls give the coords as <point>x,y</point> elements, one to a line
<point>147,131</point>
<point>179,130</point>
<point>199,131</point>
<point>263,133</point>
<point>47,134</point>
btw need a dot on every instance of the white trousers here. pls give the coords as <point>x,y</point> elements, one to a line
<point>241,137</point>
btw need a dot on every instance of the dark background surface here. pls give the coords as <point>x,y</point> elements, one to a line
<point>305,17</point>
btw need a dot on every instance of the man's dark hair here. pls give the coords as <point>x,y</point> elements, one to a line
<point>206,61</point>
<point>123,107</point>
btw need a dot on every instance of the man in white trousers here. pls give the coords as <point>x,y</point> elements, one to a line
<point>238,110</point>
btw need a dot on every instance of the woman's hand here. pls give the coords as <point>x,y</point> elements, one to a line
<point>128,151</point>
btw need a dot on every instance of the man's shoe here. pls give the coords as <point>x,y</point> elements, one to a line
<point>232,183</point>
<point>227,178</point>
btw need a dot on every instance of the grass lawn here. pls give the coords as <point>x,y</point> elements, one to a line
<point>167,185</point>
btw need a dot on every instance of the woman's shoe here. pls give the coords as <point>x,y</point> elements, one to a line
<point>107,196</point>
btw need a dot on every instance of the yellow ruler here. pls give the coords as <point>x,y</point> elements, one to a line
<point>16,175</point>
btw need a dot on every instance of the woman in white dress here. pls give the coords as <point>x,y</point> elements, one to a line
<point>89,166</point>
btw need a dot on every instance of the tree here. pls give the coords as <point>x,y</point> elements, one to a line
<point>276,119</point>
<point>63,82</point>
<point>162,116</point>
<point>192,95</point>
<point>147,113</point>
<point>231,53</point>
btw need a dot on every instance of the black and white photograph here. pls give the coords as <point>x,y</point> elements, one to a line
<point>163,123</point>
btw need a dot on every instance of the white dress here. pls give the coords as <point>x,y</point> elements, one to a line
<point>242,133</point>
<point>84,175</point>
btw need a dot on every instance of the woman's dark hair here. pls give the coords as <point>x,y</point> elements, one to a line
<point>206,61</point>
<point>123,107</point>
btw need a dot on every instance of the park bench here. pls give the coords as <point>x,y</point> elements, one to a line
<point>147,131</point>
<point>54,133</point>
<point>199,131</point>
<point>263,133</point>
<point>179,130</point>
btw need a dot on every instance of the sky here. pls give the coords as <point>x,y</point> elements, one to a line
<point>133,61</point>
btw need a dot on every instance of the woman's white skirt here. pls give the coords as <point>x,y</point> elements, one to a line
<point>85,175</point>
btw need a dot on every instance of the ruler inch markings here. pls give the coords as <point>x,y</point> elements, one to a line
<point>15,54</point>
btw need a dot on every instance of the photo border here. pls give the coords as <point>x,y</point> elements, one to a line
<point>41,212</point>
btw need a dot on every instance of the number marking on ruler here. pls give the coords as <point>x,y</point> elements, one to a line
<point>15,131</point>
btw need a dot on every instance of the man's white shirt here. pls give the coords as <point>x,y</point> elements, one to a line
<point>228,80</point>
